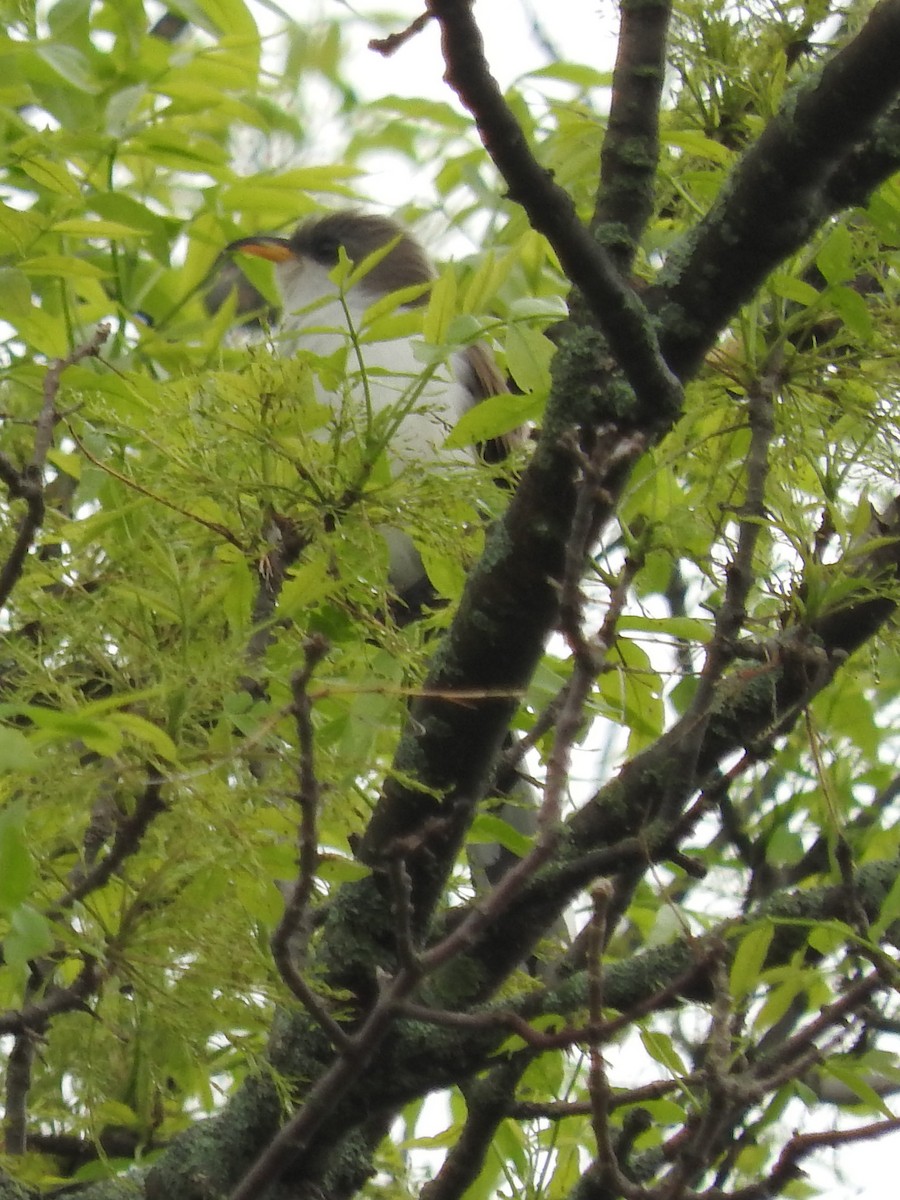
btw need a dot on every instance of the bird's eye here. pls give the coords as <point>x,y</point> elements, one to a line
<point>324,248</point>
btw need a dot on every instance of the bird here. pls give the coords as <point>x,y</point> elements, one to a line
<point>413,406</point>
<point>317,316</point>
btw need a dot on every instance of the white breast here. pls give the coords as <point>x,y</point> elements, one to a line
<point>421,404</point>
<point>427,401</point>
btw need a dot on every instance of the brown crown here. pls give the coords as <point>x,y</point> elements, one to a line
<point>361,234</point>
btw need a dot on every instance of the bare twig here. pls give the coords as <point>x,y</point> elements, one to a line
<point>18,1085</point>
<point>326,1093</point>
<point>791,1049</point>
<point>487,1104</point>
<point>28,485</point>
<point>291,929</point>
<point>558,1110</point>
<point>30,1023</point>
<point>724,1096</point>
<point>589,657</point>
<point>389,45</point>
<point>129,834</point>
<point>800,1146</point>
<point>295,1137</point>
<point>36,1016</point>
<point>739,575</point>
<point>598,1083</point>
<point>48,417</point>
<point>402,910</point>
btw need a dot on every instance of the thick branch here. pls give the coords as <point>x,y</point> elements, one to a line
<point>551,211</point>
<point>778,194</point>
<point>630,152</point>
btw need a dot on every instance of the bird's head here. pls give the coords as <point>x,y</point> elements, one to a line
<point>304,260</point>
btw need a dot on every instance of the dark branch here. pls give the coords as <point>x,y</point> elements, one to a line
<point>778,195</point>
<point>28,485</point>
<point>551,212</point>
<point>630,152</point>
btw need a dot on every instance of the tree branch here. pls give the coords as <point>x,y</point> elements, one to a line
<point>551,212</point>
<point>778,194</point>
<point>630,153</point>
<point>28,485</point>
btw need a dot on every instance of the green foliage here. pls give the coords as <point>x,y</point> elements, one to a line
<point>137,648</point>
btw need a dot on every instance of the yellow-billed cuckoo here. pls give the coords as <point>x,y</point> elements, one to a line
<point>317,316</point>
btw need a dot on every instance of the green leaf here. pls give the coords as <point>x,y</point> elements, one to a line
<point>828,938</point>
<point>145,731</point>
<point>835,256</point>
<point>70,64</point>
<point>794,289</point>
<point>30,936</point>
<point>308,584</point>
<point>749,959</point>
<point>441,309</point>
<point>697,145</point>
<point>102,736</point>
<point>50,175</point>
<point>16,871</point>
<point>16,752</point>
<point>258,191</point>
<point>577,73</point>
<point>222,17</point>
<point>488,829</point>
<point>854,311</point>
<point>689,629</point>
<point>890,911</point>
<point>85,227</point>
<point>661,1049</point>
<point>18,232</point>
<point>528,356</point>
<point>446,573</point>
<point>15,292</point>
<point>485,282</point>
<point>492,418</point>
<point>46,334</point>
<point>852,1074</point>
<point>62,266</point>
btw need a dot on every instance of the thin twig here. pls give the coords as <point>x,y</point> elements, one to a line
<point>487,1104</point>
<point>598,1083</point>
<point>537,1039</point>
<point>18,1085</point>
<point>800,1146</point>
<point>129,834</point>
<point>389,45</point>
<point>48,417</point>
<point>293,1138</point>
<point>55,1000</point>
<point>292,928</point>
<point>605,1171</point>
<point>402,911</point>
<point>558,1110</point>
<point>589,657</point>
<point>740,575</point>
<point>28,485</point>
<point>133,485</point>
